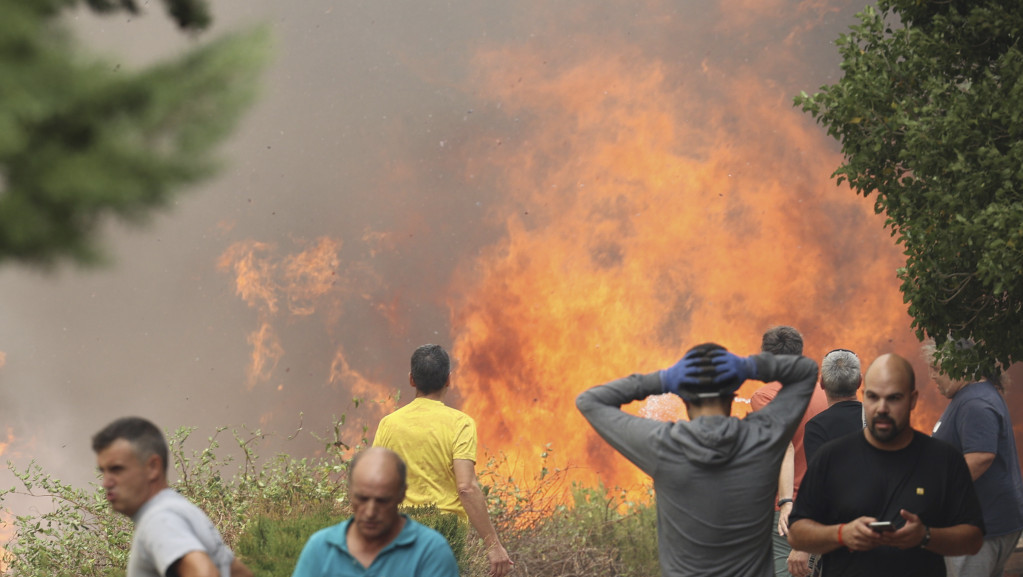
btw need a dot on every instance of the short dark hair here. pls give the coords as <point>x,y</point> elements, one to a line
<point>707,390</point>
<point>782,340</point>
<point>840,373</point>
<point>431,368</point>
<point>145,438</point>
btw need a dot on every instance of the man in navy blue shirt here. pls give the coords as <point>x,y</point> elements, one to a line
<point>977,423</point>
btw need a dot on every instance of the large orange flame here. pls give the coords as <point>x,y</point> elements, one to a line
<point>311,281</point>
<point>263,280</point>
<point>646,202</point>
<point>643,219</point>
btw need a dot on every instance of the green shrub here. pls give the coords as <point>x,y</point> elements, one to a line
<point>267,511</point>
<point>271,546</point>
<point>78,537</point>
<point>601,533</point>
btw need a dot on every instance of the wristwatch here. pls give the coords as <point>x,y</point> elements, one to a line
<point>927,537</point>
<point>783,501</point>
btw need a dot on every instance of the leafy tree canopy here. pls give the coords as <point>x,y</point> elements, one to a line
<point>81,139</point>
<point>928,116</point>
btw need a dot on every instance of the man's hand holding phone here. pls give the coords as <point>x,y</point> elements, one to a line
<point>882,526</point>
<point>910,535</point>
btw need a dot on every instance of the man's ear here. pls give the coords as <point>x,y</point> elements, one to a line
<point>410,381</point>
<point>154,467</point>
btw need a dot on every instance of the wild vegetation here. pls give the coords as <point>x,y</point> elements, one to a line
<point>267,510</point>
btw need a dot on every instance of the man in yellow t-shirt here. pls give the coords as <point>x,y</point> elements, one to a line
<point>438,444</point>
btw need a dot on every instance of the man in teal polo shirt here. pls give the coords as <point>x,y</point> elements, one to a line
<point>377,540</point>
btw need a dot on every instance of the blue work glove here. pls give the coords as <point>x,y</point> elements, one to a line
<point>693,369</point>
<point>729,366</point>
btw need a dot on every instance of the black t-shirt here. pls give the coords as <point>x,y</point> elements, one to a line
<point>838,420</point>
<point>850,478</point>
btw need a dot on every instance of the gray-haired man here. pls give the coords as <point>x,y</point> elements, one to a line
<point>840,378</point>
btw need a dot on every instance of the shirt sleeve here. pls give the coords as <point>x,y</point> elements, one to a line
<point>813,438</point>
<point>381,437</point>
<point>465,440</point>
<point>762,396</point>
<point>810,503</point>
<point>979,426</point>
<point>310,561</point>
<point>630,435</point>
<point>797,377</point>
<point>438,561</point>
<point>963,506</point>
<point>169,537</point>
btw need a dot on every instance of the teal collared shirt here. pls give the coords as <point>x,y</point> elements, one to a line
<point>417,551</point>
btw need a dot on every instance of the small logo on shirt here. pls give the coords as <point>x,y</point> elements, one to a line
<point>919,490</point>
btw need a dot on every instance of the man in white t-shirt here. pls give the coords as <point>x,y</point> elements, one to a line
<point>173,537</point>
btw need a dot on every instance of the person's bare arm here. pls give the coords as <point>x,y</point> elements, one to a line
<point>786,481</point>
<point>799,563</point>
<point>196,564</point>
<point>471,496</point>
<point>238,569</point>
<point>813,537</point>
<point>978,463</point>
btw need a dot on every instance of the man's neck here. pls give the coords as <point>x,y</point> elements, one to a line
<point>366,550</point>
<point>962,386</point>
<point>833,402</point>
<point>153,490</point>
<point>434,396</point>
<point>708,410</point>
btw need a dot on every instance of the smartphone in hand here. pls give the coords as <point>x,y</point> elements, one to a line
<point>882,526</point>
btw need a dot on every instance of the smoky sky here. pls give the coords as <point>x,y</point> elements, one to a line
<point>368,132</point>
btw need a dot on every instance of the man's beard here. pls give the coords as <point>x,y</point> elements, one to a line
<point>885,436</point>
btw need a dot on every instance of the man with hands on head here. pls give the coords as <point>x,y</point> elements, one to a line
<point>715,476</point>
<point>890,474</point>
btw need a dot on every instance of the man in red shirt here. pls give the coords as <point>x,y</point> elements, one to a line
<point>784,340</point>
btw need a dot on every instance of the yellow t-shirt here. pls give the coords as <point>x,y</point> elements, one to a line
<point>429,436</point>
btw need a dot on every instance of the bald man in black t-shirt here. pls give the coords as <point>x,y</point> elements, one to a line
<point>893,474</point>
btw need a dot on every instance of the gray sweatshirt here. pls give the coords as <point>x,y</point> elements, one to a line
<point>715,478</point>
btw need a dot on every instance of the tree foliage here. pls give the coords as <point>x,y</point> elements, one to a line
<point>81,138</point>
<point>928,116</point>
